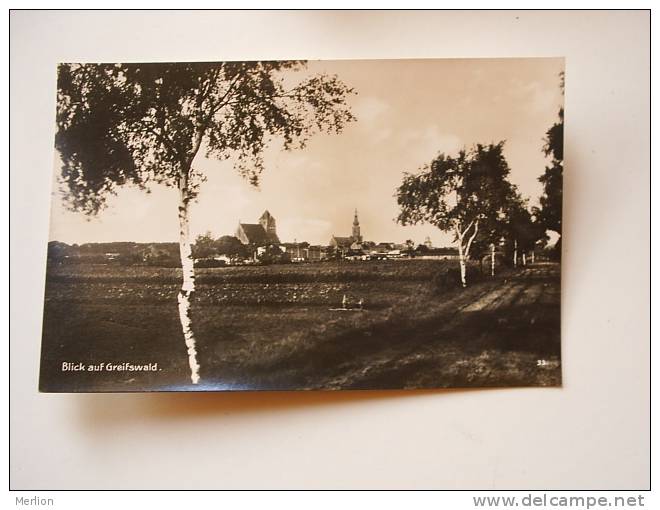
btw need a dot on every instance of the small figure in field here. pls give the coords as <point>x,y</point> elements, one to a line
<point>346,305</point>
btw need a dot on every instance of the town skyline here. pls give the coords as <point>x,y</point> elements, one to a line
<point>313,192</point>
<point>282,241</point>
<point>364,240</point>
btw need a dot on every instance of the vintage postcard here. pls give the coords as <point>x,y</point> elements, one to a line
<point>311,225</point>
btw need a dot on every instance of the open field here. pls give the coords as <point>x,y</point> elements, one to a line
<point>274,327</point>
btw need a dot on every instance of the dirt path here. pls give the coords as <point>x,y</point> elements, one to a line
<point>507,334</point>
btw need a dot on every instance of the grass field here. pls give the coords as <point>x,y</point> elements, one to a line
<point>277,327</point>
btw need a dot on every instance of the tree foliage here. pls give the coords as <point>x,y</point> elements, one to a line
<point>205,246</point>
<point>523,230</point>
<point>466,195</point>
<point>452,192</point>
<point>140,124</point>
<point>231,247</point>
<point>550,212</point>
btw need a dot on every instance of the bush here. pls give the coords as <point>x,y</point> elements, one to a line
<point>163,261</point>
<point>450,277</point>
<point>209,263</point>
<point>129,259</point>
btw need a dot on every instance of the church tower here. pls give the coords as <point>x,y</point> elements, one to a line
<point>356,237</point>
<point>267,221</point>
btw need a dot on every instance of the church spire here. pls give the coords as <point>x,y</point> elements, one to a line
<point>357,237</point>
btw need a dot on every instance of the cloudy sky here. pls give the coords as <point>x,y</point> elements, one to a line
<point>407,110</point>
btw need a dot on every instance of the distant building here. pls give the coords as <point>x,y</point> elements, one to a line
<point>303,252</point>
<point>316,253</point>
<point>384,247</point>
<point>259,234</point>
<point>446,253</point>
<point>340,242</point>
<point>351,242</point>
<point>297,252</point>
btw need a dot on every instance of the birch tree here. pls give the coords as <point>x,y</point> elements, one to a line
<point>522,229</point>
<point>463,195</point>
<point>145,124</point>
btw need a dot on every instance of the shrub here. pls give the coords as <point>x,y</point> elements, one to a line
<point>209,263</point>
<point>450,277</point>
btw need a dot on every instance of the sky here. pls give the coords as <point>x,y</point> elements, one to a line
<point>407,112</point>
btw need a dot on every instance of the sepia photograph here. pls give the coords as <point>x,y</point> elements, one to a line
<point>305,225</point>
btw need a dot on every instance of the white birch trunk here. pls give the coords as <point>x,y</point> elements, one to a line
<point>188,286</point>
<point>492,259</point>
<point>532,256</point>
<point>515,253</point>
<point>461,262</point>
<point>464,251</point>
<point>524,260</point>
